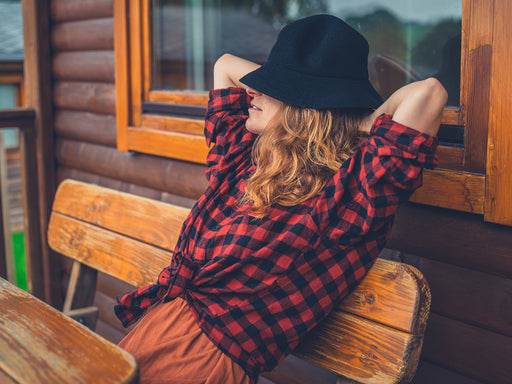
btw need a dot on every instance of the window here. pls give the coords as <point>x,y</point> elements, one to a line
<point>165,50</point>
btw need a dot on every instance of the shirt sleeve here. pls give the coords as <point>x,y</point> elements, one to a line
<point>382,173</point>
<point>225,128</point>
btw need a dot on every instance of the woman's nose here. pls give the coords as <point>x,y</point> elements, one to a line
<point>252,92</point>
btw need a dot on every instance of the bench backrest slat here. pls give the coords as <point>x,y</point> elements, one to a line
<point>373,336</point>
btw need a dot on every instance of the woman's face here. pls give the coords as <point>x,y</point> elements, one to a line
<point>262,111</point>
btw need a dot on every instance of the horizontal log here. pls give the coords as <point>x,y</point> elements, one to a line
<point>453,237</point>
<point>467,349</point>
<point>175,177</point>
<point>83,35</point>
<point>85,126</point>
<point>90,66</point>
<point>64,10</point>
<point>64,173</point>
<point>428,373</point>
<point>85,96</point>
<point>473,297</point>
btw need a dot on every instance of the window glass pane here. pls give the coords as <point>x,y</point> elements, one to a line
<point>8,100</point>
<point>409,39</point>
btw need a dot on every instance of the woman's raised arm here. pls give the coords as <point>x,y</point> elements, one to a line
<point>417,105</point>
<point>229,69</point>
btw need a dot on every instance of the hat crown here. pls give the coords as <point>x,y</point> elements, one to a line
<point>322,45</point>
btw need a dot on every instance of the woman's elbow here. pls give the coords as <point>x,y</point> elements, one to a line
<point>435,94</point>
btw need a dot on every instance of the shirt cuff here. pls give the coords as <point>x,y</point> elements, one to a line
<point>402,141</point>
<point>226,99</point>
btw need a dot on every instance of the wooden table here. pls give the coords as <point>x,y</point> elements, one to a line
<point>38,344</point>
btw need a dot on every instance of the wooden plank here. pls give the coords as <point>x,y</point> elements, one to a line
<point>106,208</point>
<point>450,158</point>
<point>13,117</point>
<point>65,10</point>
<point>469,350</point>
<point>122,75</point>
<point>90,66</point>
<point>135,58</point>
<point>179,97</point>
<point>41,345</point>
<point>86,126</point>
<point>358,348</point>
<point>450,189</point>
<point>498,197</point>
<point>174,124</point>
<point>393,294</point>
<point>453,237</point>
<point>476,40</point>
<point>44,267</point>
<point>64,173</point>
<point>84,35</point>
<point>176,177</point>
<point>168,144</point>
<point>85,96</point>
<point>451,116</point>
<point>127,259</point>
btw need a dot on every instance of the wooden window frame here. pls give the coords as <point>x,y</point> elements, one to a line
<point>461,181</point>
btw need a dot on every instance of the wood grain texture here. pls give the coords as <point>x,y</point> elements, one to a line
<point>178,97</point>
<point>83,35</point>
<point>359,349</point>
<point>175,145</point>
<point>127,259</point>
<point>107,208</point>
<point>390,294</point>
<point>174,124</point>
<point>498,195</point>
<point>122,76</point>
<point>179,178</point>
<point>450,189</point>
<point>41,345</point>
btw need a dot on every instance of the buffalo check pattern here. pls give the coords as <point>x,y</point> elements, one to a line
<point>257,286</point>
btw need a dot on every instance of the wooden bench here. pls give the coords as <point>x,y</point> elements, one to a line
<point>373,336</point>
<point>38,344</point>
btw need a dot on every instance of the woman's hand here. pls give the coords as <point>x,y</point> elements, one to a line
<point>229,69</point>
<point>417,105</point>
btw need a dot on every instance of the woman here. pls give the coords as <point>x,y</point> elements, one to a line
<point>307,171</point>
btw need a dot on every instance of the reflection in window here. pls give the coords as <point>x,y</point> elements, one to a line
<point>409,39</point>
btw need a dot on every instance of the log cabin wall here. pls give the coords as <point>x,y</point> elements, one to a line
<point>467,262</point>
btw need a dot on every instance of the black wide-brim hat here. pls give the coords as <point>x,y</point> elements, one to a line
<point>317,62</point>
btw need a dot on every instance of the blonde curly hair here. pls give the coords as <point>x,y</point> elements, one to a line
<point>298,154</point>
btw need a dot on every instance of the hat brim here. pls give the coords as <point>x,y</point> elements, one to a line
<point>307,91</point>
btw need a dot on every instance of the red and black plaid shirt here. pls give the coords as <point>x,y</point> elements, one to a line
<point>256,286</point>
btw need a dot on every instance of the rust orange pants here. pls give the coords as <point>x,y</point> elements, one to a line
<point>170,347</point>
